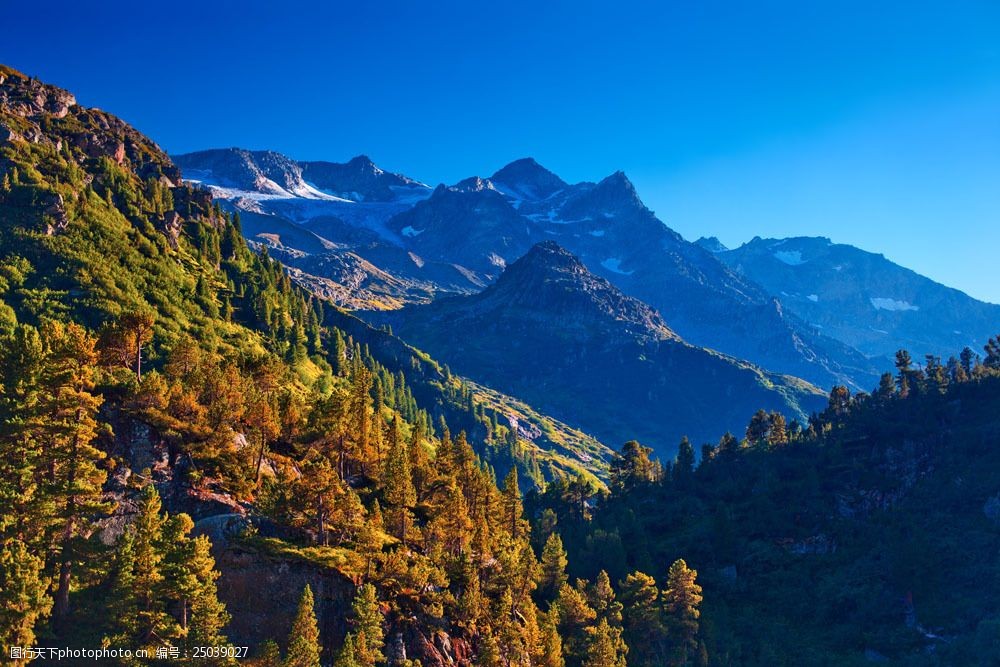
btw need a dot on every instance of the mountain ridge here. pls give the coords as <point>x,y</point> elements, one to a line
<point>556,335</point>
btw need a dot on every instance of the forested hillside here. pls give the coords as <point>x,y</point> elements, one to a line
<point>159,377</point>
<point>869,535</point>
<point>195,452</point>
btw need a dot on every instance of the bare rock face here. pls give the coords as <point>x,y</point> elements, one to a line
<point>26,105</point>
<point>262,593</point>
<point>53,208</point>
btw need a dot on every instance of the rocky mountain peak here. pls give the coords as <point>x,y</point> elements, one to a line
<point>474,184</point>
<point>711,244</point>
<point>24,96</point>
<point>529,179</point>
<point>549,278</point>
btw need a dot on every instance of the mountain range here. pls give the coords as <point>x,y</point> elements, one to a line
<point>572,344</point>
<point>862,298</point>
<point>457,239</point>
<point>183,427</point>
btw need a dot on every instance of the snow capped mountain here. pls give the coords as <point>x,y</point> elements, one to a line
<point>359,179</point>
<point>863,299</point>
<point>459,238</point>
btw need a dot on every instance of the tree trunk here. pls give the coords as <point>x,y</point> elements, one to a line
<point>60,606</point>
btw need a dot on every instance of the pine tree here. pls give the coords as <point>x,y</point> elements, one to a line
<point>632,467</point>
<point>684,463</point>
<point>303,641</point>
<point>681,600</point>
<point>22,587</point>
<point>152,621</point>
<point>513,508</point>
<point>122,342</point>
<point>553,568</point>
<point>269,654</point>
<point>643,622</point>
<point>602,598</point>
<point>348,654</point>
<point>75,482</point>
<point>607,649</point>
<point>367,618</point>
<point>399,492</point>
<point>550,652</point>
<point>208,614</point>
<point>904,364</point>
<point>576,618</point>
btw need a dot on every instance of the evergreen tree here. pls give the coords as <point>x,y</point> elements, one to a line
<point>303,641</point>
<point>348,654</point>
<point>684,463</point>
<point>643,622</point>
<point>553,568</point>
<point>367,619</point>
<point>632,467</point>
<point>397,479</point>
<point>22,587</point>
<point>269,654</point>
<point>681,600</point>
<point>75,482</point>
<point>208,614</point>
<point>607,649</point>
<point>513,509</point>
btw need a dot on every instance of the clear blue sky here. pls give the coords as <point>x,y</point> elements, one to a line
<point>874,123</point>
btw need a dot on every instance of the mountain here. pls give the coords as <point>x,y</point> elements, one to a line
<point>273,174</point>
<point>561,338</point>
<point>863,299</point>
<point>457,239</point>
<point>359,179</point>
<point>616,236</point>
<point>711,244</point>
<point>153,242</point>
<point>527,179</point>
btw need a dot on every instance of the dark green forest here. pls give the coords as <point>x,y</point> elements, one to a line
<point>187,436</point>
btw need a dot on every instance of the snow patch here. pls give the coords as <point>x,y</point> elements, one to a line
<point>885,303</point>
<point>790,257</point>
<point>411,232</point>
<point>614,264</point>
<point>597,232</point>
<point>813,297</point>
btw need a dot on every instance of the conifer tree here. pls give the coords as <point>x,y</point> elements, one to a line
<point>644,631</point>
<point>208,613</point>
<point>550,652</point>
<point>269,654</point>
<point>607,649</point>
<point>348,654</point>
<point>684,463</point>
<point>553,568</point>
<point>303,641</point>
<point>367,618</point>
<point>399,492</point>
<point>513,508</point>
<point>23,589</point>
<point>681,600</point>
<point>576,618</point>
<point>75,482</point>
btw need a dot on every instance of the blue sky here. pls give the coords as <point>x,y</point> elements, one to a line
<point>876,124</point>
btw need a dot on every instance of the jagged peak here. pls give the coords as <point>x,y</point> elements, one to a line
<point>712,244</point>
<point>474,184</point>
<point>528,178</point>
